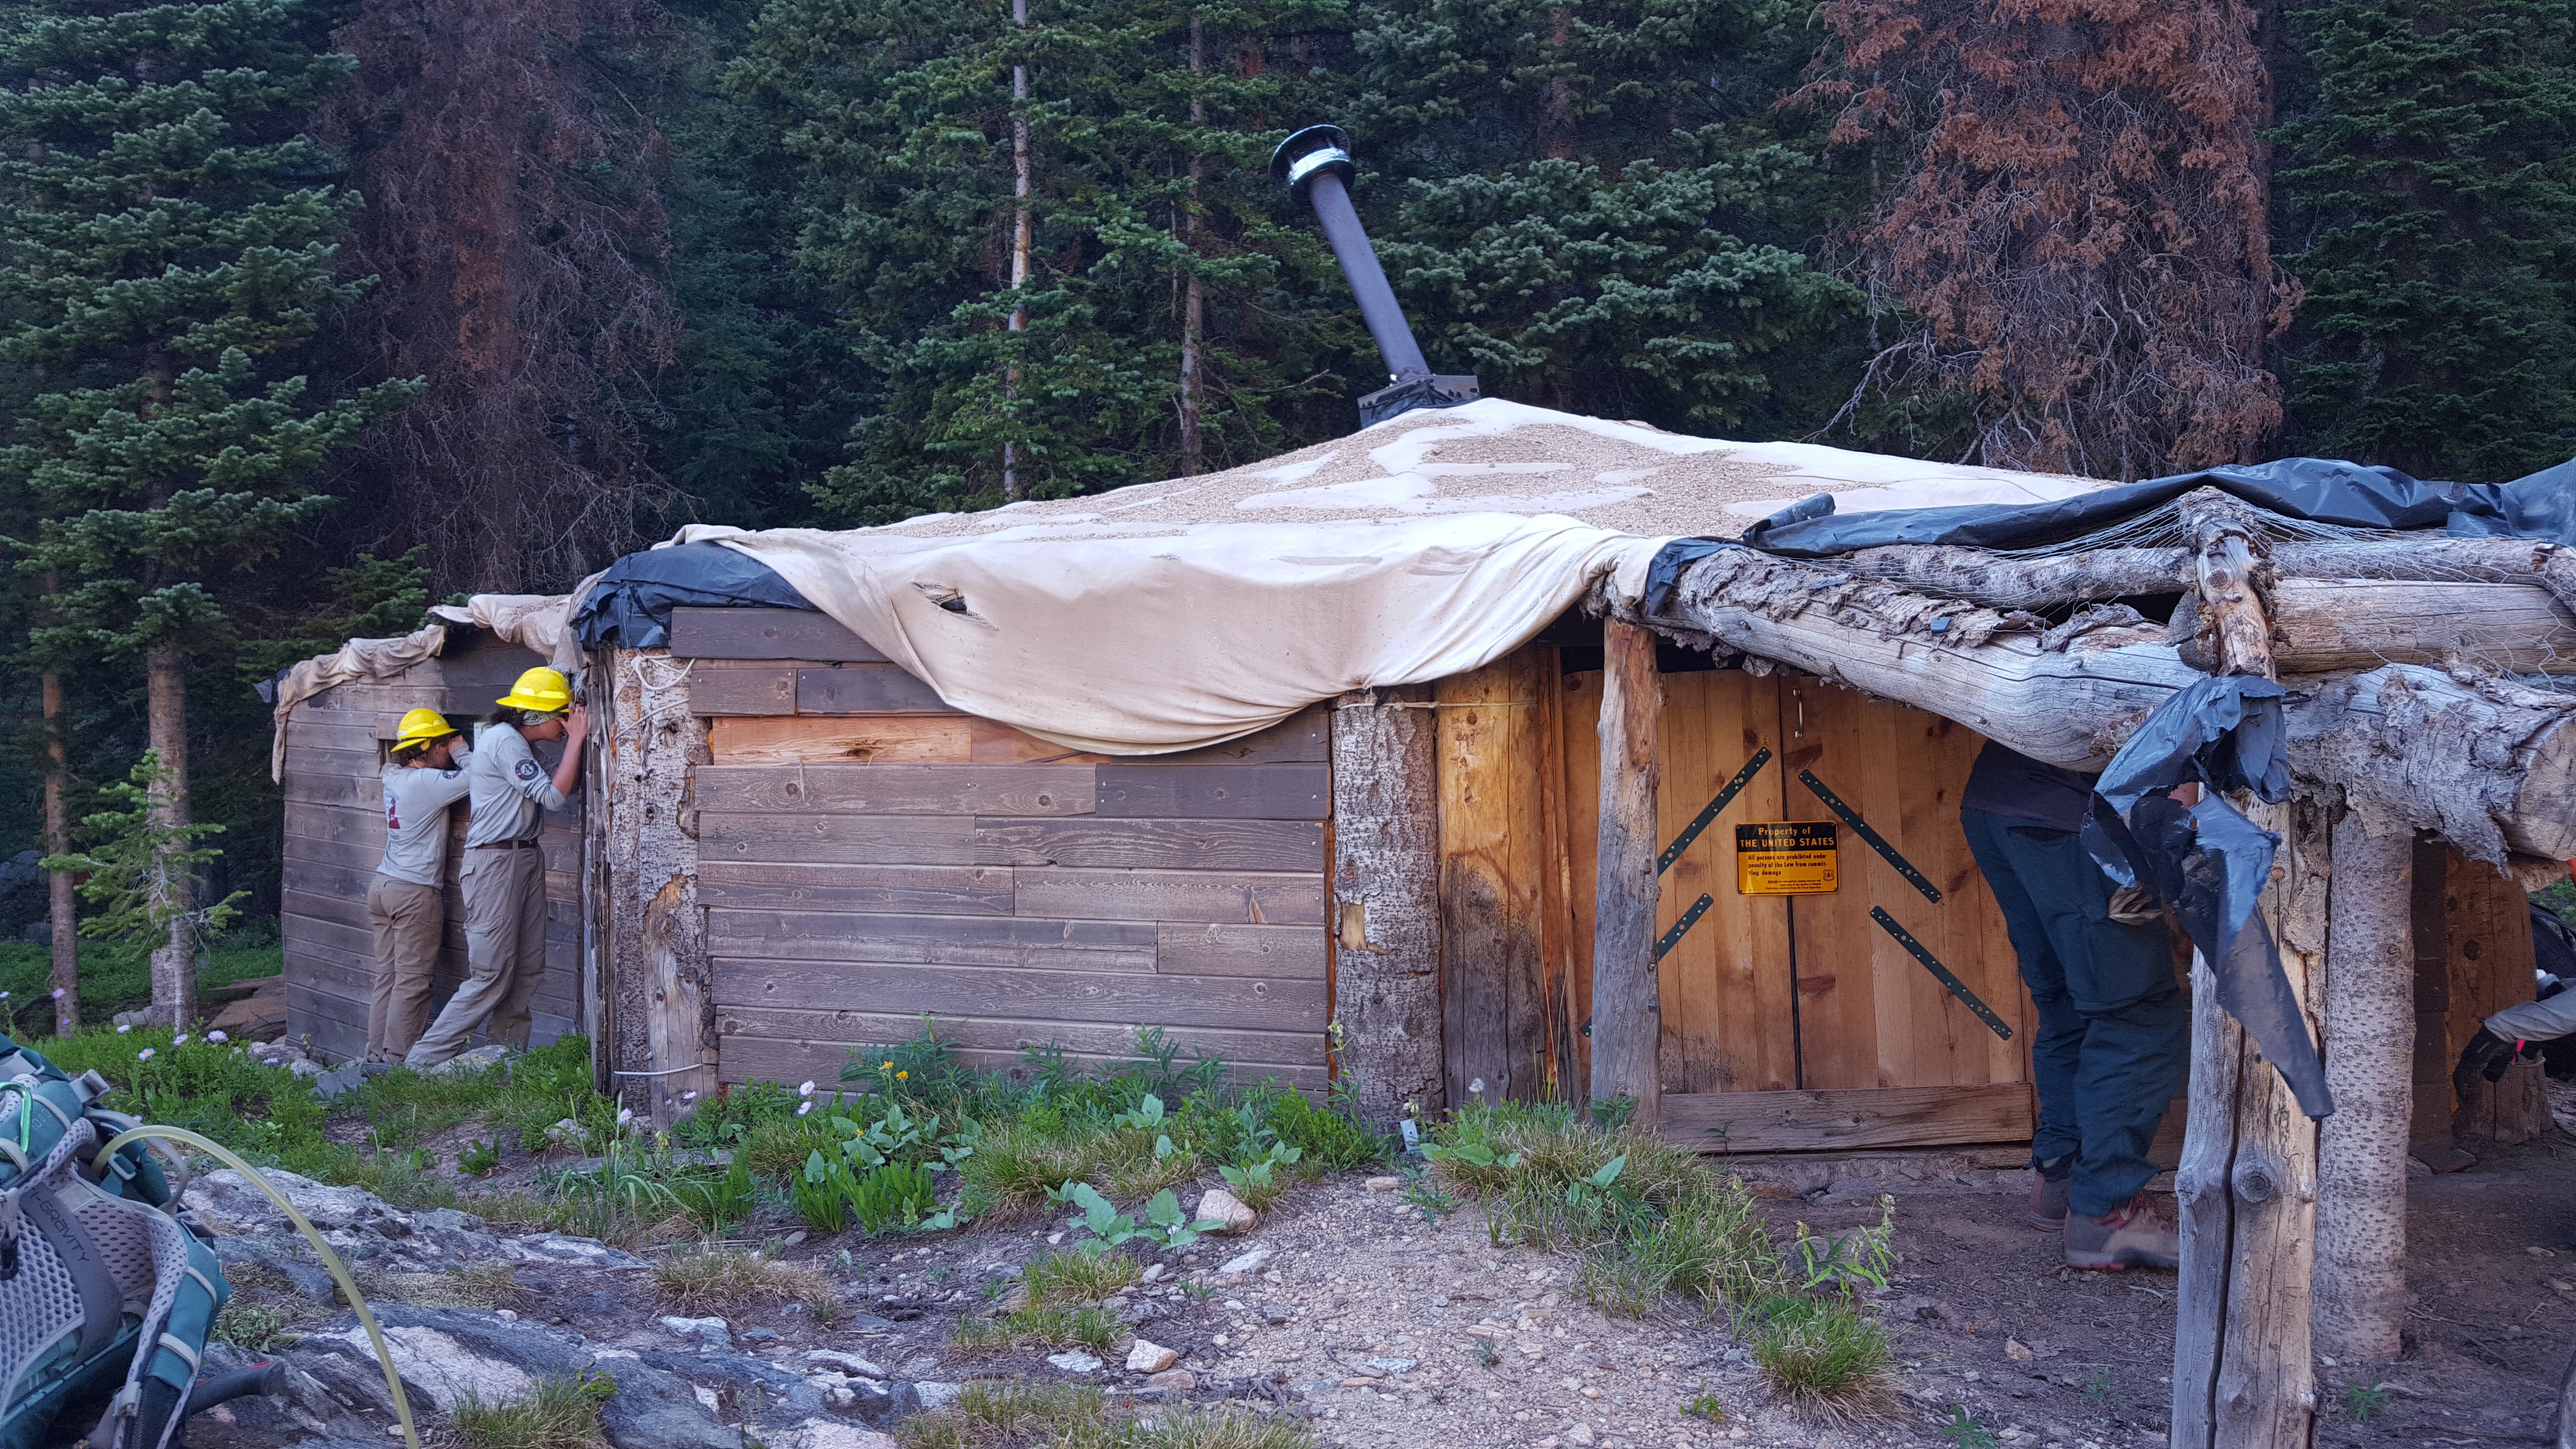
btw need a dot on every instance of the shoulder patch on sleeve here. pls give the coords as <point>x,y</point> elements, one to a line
<point>530,771</point>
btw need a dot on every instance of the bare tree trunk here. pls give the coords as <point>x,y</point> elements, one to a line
<point>1386,902</point>
<point>63,908</point>
<point>2369,1056</point>
<point>1627,1019</point>
<point>1194,291</point>
<point>174,961</point>
<point>1011,490</point>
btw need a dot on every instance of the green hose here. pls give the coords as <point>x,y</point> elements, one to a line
<point>313,1235</point>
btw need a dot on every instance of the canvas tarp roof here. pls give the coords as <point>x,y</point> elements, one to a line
<point>1172,615</point>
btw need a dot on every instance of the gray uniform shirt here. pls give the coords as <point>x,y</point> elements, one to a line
<point>510,785</point>
<point>416,802</point>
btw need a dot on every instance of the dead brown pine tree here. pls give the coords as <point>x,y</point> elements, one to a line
<point>2068,234</point>
<point>518,238</point>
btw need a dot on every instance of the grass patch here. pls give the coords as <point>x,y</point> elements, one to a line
<point>1077,1277</point>
<point>254,1327</point>
<point>559,1413</point>
<point>720,1278</point>
<point>1825,1356</point>
<point>991,1414</point>
<point>484,1285</point>
<point>115,977</point>
<point>1042,1325</point>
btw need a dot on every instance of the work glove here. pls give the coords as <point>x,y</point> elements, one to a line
<point>2487,1055</point>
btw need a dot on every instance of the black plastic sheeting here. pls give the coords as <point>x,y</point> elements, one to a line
<point>2322,490</point>
<point>630,607</point>
<point>2207,861</point>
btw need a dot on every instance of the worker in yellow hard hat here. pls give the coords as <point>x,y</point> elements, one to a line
<point>404,903</point>
<point>504,875</point>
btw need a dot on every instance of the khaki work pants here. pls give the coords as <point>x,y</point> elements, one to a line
<point>408,918</point>
<point>505,954</point>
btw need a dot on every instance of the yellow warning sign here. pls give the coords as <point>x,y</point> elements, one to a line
<point>1787,858</point>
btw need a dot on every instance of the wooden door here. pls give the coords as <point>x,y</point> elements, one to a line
<point>1802,1022</point>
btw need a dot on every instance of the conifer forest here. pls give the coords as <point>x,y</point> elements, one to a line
<point>314,312</point>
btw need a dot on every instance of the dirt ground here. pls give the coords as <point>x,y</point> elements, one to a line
<point>1385,1332</point>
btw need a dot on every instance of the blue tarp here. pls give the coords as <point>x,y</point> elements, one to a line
<point>630,607</point>
<point>2322,490</point>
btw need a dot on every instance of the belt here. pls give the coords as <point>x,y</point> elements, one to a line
<point>505,845</point>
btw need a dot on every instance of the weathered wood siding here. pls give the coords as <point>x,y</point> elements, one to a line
<point>867,857</point>
<point>335,835</point>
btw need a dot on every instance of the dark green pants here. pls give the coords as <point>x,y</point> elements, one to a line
<point>2114,1040</point>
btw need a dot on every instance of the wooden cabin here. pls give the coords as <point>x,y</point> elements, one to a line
<point>336,745</point>
<point>847,860</point>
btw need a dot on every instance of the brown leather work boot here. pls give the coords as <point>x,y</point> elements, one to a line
<point>2048,1197</point>
<point>2136,1235</point>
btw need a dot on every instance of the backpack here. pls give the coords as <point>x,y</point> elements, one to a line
<point>105,1299</point>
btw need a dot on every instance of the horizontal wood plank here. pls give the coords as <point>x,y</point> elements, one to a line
<point>1847,1119</point>
<point>745,1058</point>
<point>331,787</point>
<point>1214,791</point>
<point>1305,735</point>
<point>846,839</point>
<point>335,822</point>
<point>865,739</point>
<point>865,689</point>
<point>763,633</point>
<point>844,1031</point>
<point>944,890</point>
<point>315,729</point>
<point>1289,953</point>
<point>1098,996</point>
<point>897,789</point>
<point>1236,897</point>
<point>1092,840</point>
<point>997,941</point>
<point>718,688</point>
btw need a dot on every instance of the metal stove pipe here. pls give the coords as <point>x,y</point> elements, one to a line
<point>1315,165</point>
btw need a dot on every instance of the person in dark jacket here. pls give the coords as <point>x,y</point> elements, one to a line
<point>2114,1040</point>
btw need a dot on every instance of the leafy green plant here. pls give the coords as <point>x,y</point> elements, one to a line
<point>1865,1255</point>
<point>820,1191</point>
<point>1256,1180</point>
<point>1428,1197</point>
<point>1965,1431</point>
<point>256,1327</point>
<point>1488,1352</point>
<point>1164,1226</point>
<point>2098,1386</point>
<point>479,1159</point>
<point>1705,1405</point>
<point>893,1195</point>
<point>2364,1402</point>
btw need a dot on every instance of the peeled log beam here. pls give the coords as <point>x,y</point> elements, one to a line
<point>2369,1051</point>
<point>2490,765</point>
<point>1999,581</point>
<point>2324,625</point>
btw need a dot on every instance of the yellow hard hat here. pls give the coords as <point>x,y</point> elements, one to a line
<point>540,689</point>
<point>423,727</point>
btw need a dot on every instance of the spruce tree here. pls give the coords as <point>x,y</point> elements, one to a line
<point>1598,207</point>
<point>2430,196</point>
<point>906,129</point>
<point>165,247</point>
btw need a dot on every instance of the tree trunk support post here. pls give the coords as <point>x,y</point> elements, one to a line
<point>2370,1058</point>
<point>1387,1021</point>
<point>1627,1020</point>
<point>659,999</point>
<point>2246,1187</point>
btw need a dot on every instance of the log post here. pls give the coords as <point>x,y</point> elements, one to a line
<point>659,998</point>
<point>2369,1057</point>
<point>2243,1368</point>
<point>1627,1020</point>
<point>1386,901</point>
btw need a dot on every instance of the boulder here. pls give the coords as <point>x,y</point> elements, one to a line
<point>656,1409</point>
<point>1226,1210</point>
<point>1147,1357</point>
<point>481,1059</point>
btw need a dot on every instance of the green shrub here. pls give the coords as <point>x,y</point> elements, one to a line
<point>893,1195</point>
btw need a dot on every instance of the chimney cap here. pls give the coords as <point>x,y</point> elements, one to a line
<point>1309,152</point>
